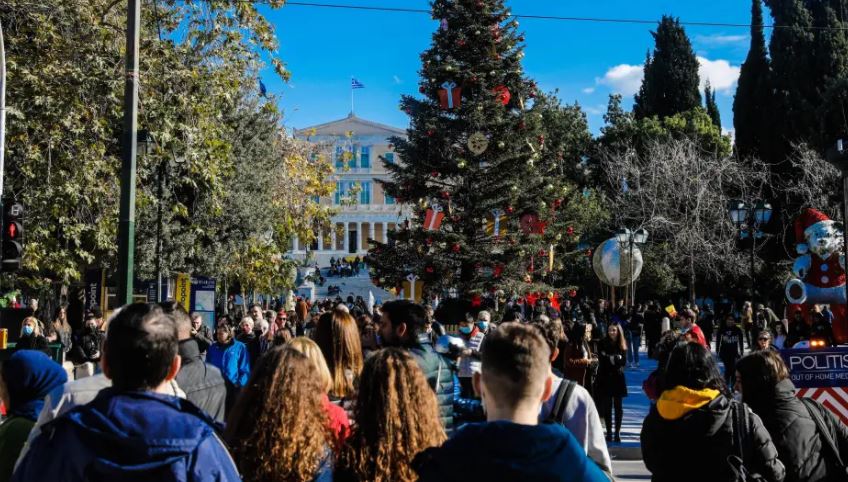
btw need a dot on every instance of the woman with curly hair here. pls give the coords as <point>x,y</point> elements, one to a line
<point>396,417</point>
<point>338,336</point>
<point>277,429</point>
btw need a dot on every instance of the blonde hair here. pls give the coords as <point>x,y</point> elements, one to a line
<point>313,352</point>
<point>36,330</point>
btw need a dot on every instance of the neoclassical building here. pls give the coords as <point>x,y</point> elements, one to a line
<point>364,210</point>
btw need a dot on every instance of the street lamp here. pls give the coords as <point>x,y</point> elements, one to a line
<point>626,237</point>
<point>748,218</point>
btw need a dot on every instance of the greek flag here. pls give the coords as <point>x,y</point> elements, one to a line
<point>355,84</point>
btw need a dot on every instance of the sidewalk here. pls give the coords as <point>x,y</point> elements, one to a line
<point>636,406</point>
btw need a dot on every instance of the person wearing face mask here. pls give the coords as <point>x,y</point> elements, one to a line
<point>31,337</point>
<point>86,346</point>
<point>469,361</point>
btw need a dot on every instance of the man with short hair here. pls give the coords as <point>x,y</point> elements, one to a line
<point>259,322</point>
<point>514,382</point>
<point>402,324</point>
<point>134,430</point>
<point>201,332</point>
<point>571,405</point>
<point>690,330</point>
<point>202,383</point>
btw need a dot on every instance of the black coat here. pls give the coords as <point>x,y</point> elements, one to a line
<point>794,434</point>
<point>695,447</point>
<point>729,343</point>
<point>612,359</point>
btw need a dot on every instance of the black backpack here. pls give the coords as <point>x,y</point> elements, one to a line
<point>741,427</point>
<point>561,398</point>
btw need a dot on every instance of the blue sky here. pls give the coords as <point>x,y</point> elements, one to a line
<point>324,48</point>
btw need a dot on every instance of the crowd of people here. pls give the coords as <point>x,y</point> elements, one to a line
<point>340,390</point>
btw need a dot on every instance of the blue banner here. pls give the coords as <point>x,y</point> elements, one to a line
<point>818,368</point>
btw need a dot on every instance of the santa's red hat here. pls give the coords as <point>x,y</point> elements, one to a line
<point>807,218</point>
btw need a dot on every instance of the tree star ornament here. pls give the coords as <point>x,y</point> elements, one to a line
<point>478,143</point>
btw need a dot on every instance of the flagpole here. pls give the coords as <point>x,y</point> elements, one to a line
<point>351,96</point>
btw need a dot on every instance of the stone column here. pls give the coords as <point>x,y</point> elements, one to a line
<point>321,240</point>
<point>358,237</point>
<point>346,238</point>
<point>335,245</point>
<point>385,232</point>
<point>371,230</point>
<point>295,245</point>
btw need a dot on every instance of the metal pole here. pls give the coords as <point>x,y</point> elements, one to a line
<point>753,232</point>
<point>126,226</point>
<point>2,109</point>
<point>159,235</point>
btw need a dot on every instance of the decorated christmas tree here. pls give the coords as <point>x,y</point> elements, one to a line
<point>489,196</point>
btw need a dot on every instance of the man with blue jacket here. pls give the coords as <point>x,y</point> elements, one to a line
<point>511,446</point>
<point>133,431</point>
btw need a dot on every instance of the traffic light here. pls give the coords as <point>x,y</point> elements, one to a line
<point>13,236</point>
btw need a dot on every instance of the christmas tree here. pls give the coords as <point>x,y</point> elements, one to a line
<point>489,195</point>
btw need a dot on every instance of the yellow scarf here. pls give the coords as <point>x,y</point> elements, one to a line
<point>680,400</point>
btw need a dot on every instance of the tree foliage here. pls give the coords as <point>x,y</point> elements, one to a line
<point>671,83</point>
<point>217,143</point>
<point>753,103</point>
<point>711,105</point>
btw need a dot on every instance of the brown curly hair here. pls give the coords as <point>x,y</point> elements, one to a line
<point>277,428</point>
<point>396,417</point>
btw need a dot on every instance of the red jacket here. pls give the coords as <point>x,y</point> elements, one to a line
<point>695,331</point>
<point>337,422</point>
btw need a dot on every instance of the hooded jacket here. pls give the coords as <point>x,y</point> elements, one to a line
<point>687,425</point>
<point>202,383</point>
<point>129,436</point>
<point>29,376</point>
<point>794,433</point>
<point>440,377</point>
<point>504,451</point>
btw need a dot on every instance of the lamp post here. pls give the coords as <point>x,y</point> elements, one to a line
<point>126,219</point>
<point>626,237</point>
<point>748,219</point>
<point>838,156</point>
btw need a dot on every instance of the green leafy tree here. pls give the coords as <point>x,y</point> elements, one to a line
<point>753,103</point>
<point>488,152</point>
<point>711,105</point>
<point>671,83</point>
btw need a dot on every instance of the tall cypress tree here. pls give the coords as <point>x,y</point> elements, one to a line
<point>671,83</point>
<point>484,181</point>
<point>753,102</point>
<point>712,106</point>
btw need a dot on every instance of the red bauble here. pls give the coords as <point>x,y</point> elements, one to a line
<point>503,94</point>
<point>456,248</point>
<point>522,125</point>
<point>429,241</point>
<point>510,209</point>
<point>445,195</point>
<point>541,139</point>
<point>569,231</point>
<point>589,253</point>
<point>430,133</point>
<point>557,203</point>
<point>460,43</point>
<point>429,269</point>
<point>572,293</point>
<point>435,173</point>
<point>542,253</point>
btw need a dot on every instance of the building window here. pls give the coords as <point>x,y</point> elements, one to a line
<point>390,157</point>
<point>339,156</point>
<point>351,156</point>
<point>365,157</point>
<point>365,193</point>
<point>389,199</point>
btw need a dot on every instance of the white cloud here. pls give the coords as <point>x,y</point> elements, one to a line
<point>623,79</point>
<point>397,79</point>
<point>588,90</point>
<point>720,40</point>
<point>595,109</point>
<point>721,74</point>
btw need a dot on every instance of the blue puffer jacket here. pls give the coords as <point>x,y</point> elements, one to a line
<point>129,437</point>
<point>440,376</point>
<point>232,359</point>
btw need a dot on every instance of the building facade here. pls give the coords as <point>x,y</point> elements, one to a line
<point>355,147</point>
